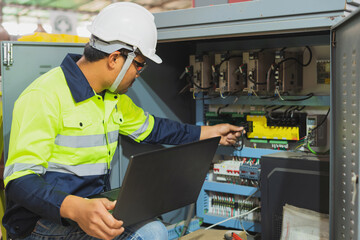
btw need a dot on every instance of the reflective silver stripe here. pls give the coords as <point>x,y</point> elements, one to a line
<point>17,167</point>
<point>142,128</point>
<point>85,141</point>
<point>113,136</point>
<point>79,170</point>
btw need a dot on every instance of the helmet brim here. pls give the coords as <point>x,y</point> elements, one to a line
<point>155,58</point>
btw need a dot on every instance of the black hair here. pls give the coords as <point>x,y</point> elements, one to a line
<point>92,55</point>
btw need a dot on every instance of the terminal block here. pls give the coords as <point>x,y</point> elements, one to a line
<point>250,169</point>
<point>229,205</point>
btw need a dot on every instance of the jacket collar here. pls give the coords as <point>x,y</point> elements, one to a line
<point>77,82</point>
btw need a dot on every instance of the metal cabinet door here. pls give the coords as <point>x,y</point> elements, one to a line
<point>21,64</point>
<point>345,129</point>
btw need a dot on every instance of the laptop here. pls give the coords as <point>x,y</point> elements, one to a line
<point>163,180</point>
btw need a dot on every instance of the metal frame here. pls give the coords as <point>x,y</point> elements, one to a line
<point>250,18</point>
<point>344,158</point>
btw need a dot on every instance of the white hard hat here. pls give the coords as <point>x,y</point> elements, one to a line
<point>125,25</point>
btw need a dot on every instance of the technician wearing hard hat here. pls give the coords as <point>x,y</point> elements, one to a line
<point>65,129</point>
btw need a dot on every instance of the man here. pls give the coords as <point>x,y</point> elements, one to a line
<point>65,129</point>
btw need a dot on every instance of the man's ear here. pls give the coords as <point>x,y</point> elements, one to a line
<point>114,59</point>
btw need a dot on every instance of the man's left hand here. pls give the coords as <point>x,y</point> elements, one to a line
<point>228,133</point>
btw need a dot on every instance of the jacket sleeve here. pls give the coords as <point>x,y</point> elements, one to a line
<point>134,123</point>
<point>166,131</point>
<point>34,127</point>
<point>34,194</point>
<point>143,127</point>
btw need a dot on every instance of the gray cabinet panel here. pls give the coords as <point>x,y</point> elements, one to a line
<point>345,125</point>
<point>22,63</point>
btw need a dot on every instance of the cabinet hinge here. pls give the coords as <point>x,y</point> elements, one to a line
<point>8,54</point>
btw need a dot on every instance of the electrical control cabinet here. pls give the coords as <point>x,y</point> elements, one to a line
<point>286,58</point>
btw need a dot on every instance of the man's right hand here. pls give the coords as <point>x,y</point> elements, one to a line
<point>92,216</point>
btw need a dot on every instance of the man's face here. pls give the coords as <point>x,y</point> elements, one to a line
<point>130,75</point>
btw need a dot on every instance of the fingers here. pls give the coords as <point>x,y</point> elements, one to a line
<point>231,138</point>
<point>108,219</point>
<point>109,205</point>
<point>111,222</point>
<point>233,128</point>
<point>102,231</point>
<point>225,141</point>
<point>96,221</point>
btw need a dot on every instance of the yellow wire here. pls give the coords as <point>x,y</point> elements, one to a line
<point>277,90</point>
<point>299,146</point>
<point>254,92</point>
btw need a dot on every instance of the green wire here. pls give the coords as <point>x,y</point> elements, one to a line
<point>308,145</point>
<point>176,225</point>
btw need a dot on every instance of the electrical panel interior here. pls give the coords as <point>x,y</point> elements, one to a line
<point>281,98</point>
<point>282,79</point>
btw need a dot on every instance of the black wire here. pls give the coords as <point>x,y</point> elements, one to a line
<point>310,95</point>
<point>297,60</point>
<point>300,109</point>
<point>289,109</point>
<point>271,106</point>
<point>218,111</point>
<point>226,59</point>
<point>274,109</point>
<point>256,83</point>
<point>296,109</point>
<point>197,86</point>
<point>237,147</point>
<point>189,78</point>
<point>268,97</point>
<point>242,142</point>
<point>217,67</point>
<point>322,122</point>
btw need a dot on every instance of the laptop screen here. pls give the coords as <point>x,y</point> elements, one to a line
<point>163,180</point>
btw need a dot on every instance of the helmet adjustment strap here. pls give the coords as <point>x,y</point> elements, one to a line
<point>124,69</point>
<point>108,47</point>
